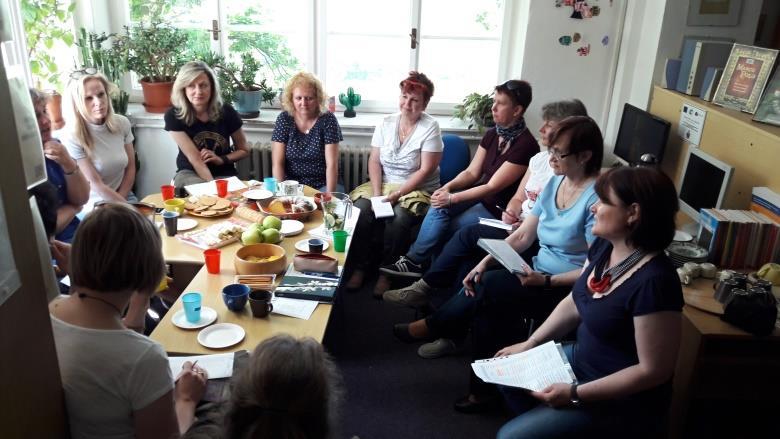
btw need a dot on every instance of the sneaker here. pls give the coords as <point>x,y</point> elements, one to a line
<point>415,295</point>
<point>404,267</point>
<point>437,349</point>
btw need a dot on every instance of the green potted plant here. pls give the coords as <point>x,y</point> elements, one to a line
<point>243,89</point>
<point>476,109</point>
<point>155,53</point>
<point>107,54</point>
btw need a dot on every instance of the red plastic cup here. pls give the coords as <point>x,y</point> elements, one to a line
<point>167,191</point>
<point>212,257</point>
<point>221,187</point>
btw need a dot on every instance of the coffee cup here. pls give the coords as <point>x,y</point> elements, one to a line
<point>260,302</point>
<point>316,245</point>
<point>684,275</point>
<point>174,205</point>
<point>693,269</point>
<point>708,270</point>
<point>235,296</point>
<point>171,220</point>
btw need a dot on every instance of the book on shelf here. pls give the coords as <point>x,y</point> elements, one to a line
<point>738,238</point>
<point>744,77</point>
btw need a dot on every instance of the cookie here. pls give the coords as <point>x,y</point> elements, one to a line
<point>207,200</point>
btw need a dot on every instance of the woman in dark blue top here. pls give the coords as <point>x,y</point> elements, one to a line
<point>626,309</point>
<point>306,138</point>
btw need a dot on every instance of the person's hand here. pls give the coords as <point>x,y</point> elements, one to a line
<point>554,395</point>
<point>208,156</point>
<point>60,251</point>
<point>531,279</point>
<point>191,383</point>
<point>515,348</point>
<point>473,278</point>
<point>509,217</point>
<point>441,199</point>
<point>393,197</point>
<point>54,150</point>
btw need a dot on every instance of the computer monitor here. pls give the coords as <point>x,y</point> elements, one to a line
<point>640,133</point>
<point>703,182</point>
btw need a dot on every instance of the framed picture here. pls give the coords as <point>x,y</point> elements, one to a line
<point>744,77</point>
<point>769,106</point>
<point>714,12</point>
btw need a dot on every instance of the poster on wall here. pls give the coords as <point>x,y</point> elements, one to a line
<point>744,77</point>
<point>714,12</point>
<point>769,106</point>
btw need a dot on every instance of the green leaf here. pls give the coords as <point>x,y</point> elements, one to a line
<point>68,39</point>
<point>49,43</point>
<point>35,67</point>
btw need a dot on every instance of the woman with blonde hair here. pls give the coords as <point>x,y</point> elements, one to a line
<point>100,141</point>
<point>203,126</point>
<point>306,137</point>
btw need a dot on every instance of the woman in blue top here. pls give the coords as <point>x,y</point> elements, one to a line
<point>626,309</point>
<point>306,138</point>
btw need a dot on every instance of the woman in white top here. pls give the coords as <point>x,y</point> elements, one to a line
<point>404,168</point>
<point>100,141</point>
<point>117,382</point>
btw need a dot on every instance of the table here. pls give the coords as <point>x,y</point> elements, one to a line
<point>181,341</point>
<point>718,361</point>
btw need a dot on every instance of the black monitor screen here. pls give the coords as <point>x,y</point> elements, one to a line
<point>640,133</point>
<point>702,183</point>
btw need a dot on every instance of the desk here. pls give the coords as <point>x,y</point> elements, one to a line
<point>181,341</point>
<point>718,361</point>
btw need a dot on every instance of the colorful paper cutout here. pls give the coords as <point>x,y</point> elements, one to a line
<point>565,40</point>
<point>576,37</point>
<point>605,40</point>
<point>584,50</point>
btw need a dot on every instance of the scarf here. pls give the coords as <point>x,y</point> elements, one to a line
<point>510,133</point>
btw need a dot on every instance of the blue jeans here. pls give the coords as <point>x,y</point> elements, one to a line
<point>439,223</point>
<point>604,419</point>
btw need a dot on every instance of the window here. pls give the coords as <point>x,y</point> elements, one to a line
<point>369,45</point>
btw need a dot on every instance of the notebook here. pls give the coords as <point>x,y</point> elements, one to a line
<point>505,255</point>
<point>300,286</point>
<point>381,208</point>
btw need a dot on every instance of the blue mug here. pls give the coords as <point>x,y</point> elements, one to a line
<point>235,296</point>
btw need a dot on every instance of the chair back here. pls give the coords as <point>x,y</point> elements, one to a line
<point>455,158</point>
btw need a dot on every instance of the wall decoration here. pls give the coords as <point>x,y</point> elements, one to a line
<point>576,37</point>
<point>579,5</point>
<point>714,12</point>
<point>565,40</point>
<point>769,106</point>
<point>584,50</point>
<point>744,77</point>
<point>605,40</point>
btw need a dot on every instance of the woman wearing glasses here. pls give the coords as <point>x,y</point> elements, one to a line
<point>203,126</point>
<point>100,141</point>
<point>306,138</point>
<point>562,220</point>
<point>491,179</point>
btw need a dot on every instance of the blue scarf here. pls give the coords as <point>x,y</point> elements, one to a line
<point>510,133</point>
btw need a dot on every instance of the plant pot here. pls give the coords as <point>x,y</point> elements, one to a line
<point>54,108</point>
<point>248,103</point>
<point>349,113</point>
<point>157,96</point>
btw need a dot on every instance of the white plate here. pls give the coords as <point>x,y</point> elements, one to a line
<point>186,224</point>
<point>303,245</point>
<point>207,317</point>
<point>258,194</point>
<point>679,235</point>
<point>291,227</point>
<point>221,335</point>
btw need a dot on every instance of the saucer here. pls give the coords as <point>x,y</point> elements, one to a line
<point>303,245</point>
<point>681,236</point>
<point>186,224</point>
<point>258,194</point>
<point>291,227</point>
<point>221,335</point>
<point>207,317</point>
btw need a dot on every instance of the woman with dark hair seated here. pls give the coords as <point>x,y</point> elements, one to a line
<point>626,309</point>
<point>117,382</point>
<point>290,389</point>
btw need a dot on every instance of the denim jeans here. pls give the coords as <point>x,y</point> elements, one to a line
<point>604,419</point>
<point>439,223</point>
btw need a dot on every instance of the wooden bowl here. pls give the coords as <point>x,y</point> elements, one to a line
<point>277,266</point>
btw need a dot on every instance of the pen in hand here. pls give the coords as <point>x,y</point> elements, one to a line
<point>506,211</point>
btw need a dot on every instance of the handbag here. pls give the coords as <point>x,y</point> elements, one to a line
<point>315,262</point>
<point>755,312</point>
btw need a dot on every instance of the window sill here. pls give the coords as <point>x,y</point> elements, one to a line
<point>362,125</point>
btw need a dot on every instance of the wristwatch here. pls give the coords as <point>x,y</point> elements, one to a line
<point>574,398</point>
<point>547,281</point>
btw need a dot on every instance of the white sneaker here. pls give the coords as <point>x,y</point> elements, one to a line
<point>415,295</point>
<point>437,349</point>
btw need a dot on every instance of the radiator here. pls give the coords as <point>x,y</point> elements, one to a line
<point>353,164</point>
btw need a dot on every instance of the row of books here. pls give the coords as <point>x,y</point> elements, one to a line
<point>743,238</point>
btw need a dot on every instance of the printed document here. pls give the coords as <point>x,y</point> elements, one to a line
<point>534,369</point>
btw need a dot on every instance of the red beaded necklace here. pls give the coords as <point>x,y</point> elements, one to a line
<point>602,279</point>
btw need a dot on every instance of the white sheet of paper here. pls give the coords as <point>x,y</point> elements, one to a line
<point>495,223</point>
<point>381,208</point>
<point>65,281</point>
<point>534,369</point>
<point>217,365</point>
<point>210,188</point>
<point>300,309</point>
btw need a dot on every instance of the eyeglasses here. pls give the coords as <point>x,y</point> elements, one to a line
<point>556,155</point>
<point>77,74</point>
<point>512,84</point>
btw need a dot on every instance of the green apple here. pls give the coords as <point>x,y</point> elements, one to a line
<point>272,222</point>
<point>251,236</point>
<point>271,236</point>
<point>256,226</point>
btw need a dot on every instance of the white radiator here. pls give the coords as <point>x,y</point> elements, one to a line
<point>353,164</point>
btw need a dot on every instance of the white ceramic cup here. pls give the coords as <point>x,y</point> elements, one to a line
<point>684,275</point>
<point>708,270</point>
<point>693,268</point>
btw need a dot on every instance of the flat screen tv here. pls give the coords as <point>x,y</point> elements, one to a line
<point>640,133</point>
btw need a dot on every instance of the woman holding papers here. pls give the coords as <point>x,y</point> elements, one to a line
<point>626,309</point>
<point>562,220</point>
<point>404,171</point>
<point>203,126</point>
<point>118,383</point>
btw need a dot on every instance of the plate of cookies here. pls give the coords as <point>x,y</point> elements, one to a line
<point>207,206</point>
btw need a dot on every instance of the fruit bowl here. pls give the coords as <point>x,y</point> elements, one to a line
<point>297,208</point>
<point>245,265</point>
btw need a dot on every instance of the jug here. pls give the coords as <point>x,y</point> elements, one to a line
<point>336,209</point>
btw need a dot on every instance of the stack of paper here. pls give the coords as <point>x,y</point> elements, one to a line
<point>534,369</point>
<point>381,208</point>
<point>210,188</point>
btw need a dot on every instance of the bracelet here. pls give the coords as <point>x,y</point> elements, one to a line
<point>71,172</point>
<point>449,200</point>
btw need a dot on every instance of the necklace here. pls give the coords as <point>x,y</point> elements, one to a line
<point>304,126</point>
<point>404,133</point>
<point>602,279</point>
<point>567,198</point>
<point>118,311</point>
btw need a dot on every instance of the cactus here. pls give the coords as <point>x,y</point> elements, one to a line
<point>349,100</point>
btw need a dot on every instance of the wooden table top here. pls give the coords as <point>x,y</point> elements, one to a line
<point>183,341</point>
